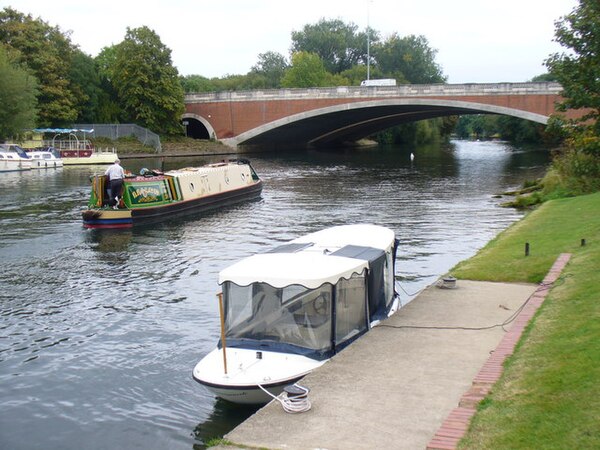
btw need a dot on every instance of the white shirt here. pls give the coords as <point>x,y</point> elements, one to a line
<point>115,172</point>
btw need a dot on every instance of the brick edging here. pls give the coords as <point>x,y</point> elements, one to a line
<point>456,424</point>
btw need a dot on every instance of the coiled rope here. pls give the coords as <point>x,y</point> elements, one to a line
<point>295,404</point>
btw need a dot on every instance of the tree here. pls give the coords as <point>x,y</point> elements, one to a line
<point>578,71</point>
<point>272,67</point>
<point>87,87</point>
<point>47,52</point>
<point>17,97</point>
<point>307,70</point>
<point>108,110</point>
<point>339,45</point>
<point>146,82</point>
<point>409,58</point>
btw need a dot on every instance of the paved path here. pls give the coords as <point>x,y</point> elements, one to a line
<point>395,386</point>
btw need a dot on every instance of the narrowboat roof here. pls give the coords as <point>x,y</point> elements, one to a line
<point>322,257</point>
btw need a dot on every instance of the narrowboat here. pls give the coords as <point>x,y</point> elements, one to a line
<point>287,311</point>
<point>153,195</point>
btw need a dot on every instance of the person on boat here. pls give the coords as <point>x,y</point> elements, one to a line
<point>115,174</point>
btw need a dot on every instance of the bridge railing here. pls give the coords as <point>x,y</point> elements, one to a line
<point>405,90</point>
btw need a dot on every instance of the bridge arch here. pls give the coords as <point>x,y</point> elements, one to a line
<point>353,121</point>
<point>197,126</point>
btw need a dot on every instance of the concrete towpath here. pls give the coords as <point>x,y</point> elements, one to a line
<point>394,387</point>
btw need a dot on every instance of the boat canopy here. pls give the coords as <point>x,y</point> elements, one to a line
<point>312,260</point>
<point>62,130</point>
<point>310,270</point>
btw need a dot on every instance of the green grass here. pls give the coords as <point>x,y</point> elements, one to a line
<point>549,394</point>
<point>555,227</point>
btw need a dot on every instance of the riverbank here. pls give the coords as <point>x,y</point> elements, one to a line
<point>548,394</point>
<point>128,148</point>
<point>395,385</point>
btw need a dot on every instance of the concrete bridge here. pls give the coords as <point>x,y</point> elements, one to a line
<point>328,116</point>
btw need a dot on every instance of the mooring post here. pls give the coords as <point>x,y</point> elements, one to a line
<point>583,242</point>
<point>526,248</point>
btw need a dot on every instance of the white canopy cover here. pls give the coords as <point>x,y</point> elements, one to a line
<point>312,265</point>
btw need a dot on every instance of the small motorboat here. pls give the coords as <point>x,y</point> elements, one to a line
<point>152,195</point>
<point>287,311</point>
<point>13,158</point>
<point>45,159</point>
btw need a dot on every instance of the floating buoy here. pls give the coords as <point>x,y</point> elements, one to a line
<point>412,156</point>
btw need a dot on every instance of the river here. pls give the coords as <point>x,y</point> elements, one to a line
<point>100,330</point>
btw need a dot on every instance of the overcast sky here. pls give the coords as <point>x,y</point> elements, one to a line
<point>477,41</point>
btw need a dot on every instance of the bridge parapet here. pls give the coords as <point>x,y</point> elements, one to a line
<point>406,90</point>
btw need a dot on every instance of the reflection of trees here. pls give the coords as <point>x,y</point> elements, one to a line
<point>110,242</point>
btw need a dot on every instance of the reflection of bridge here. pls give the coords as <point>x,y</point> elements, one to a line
<point>325,116</point>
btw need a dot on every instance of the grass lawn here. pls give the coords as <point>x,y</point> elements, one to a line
<point>549,394</point>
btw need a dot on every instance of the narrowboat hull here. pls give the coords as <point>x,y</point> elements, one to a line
<point>127,218</point>
<point>152,198</point>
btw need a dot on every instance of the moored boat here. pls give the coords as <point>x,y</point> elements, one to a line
<point>89,156</point>
<point>287,311</point>
<point>45,159</point>
<point>73,146</point>
<point>13,158</point>
<point>152,195</point>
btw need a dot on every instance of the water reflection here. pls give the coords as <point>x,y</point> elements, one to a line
<point>224,417</point>
<point>109,241</point>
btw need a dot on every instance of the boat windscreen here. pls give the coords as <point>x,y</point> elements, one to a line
<point>291,315</point>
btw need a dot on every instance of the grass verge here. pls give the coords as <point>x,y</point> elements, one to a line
<point>549,394</point>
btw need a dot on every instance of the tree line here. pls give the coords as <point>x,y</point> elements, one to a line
<point>47,81</point>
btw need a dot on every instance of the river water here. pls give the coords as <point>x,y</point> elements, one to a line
<point>100,330</point>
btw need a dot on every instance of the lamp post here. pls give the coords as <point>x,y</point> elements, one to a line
<point>368,44</point>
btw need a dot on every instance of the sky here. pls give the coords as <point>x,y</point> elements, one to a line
<point>477,41</point>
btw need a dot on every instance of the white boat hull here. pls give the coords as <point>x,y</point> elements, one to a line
<point>94,158</point>
<point>246,371</point>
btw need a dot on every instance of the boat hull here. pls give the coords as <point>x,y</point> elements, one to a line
<point>247,372</point>
<point>92,158</point>
<point>127,218</point>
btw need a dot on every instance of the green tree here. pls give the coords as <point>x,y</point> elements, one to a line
<point>578,71</point>
<point>409,58</point>
<point>271,66</point>
<point>147,83</point>
<point>108,110</point>
<point>86,84</point>
<point>197,83</point>
<point>47,52</point>
<point>307,70</point>
<point>339,45</point>
<point>17,97</point>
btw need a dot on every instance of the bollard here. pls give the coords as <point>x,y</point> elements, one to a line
<point>583,242</point>
<point>526,248</point>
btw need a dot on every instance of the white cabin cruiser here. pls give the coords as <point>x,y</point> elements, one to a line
<point>45,159</point>
<point>13,158</point>
<point>287,311</point>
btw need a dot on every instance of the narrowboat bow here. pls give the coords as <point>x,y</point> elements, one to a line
<point>153,195</point>
<point>287,311</point>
